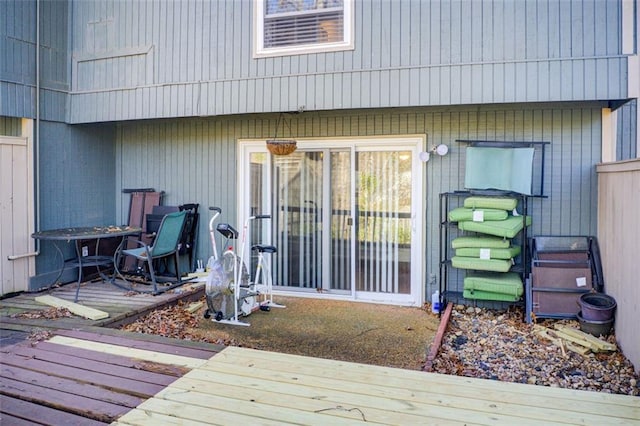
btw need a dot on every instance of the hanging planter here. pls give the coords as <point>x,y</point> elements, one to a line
<point>281,146</point>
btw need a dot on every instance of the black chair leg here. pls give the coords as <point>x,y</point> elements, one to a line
<point>176,260</point>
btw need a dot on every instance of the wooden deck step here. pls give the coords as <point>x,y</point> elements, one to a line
<point>258,387</point>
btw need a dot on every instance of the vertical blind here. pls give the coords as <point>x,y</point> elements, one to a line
<point>384,222</point>
<point>298,22</point>
<point>298,205</point>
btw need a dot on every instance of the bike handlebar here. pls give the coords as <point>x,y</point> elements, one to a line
<point>262,216</point>
<point>217,209</point>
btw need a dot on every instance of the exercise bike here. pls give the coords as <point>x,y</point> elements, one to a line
<point>229,293</point>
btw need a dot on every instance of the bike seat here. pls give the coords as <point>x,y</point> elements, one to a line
<point>264,248</point>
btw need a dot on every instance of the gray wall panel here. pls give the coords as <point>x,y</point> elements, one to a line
<point>194,160</point>
<point>18,59</point>
<point>76,184</point>
<point>542,51</point>
<point>627,131</point>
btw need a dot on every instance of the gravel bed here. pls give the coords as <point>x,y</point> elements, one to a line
<point>499,345</point>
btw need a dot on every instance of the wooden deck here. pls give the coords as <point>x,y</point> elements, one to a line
<point>122,306</point>
<point>246,386</point>
<point>86,373</point>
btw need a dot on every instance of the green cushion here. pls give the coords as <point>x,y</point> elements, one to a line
<point>480,242</point>
<point>497,265</point>
<point>506,169</point>
<point>484,295</point>
<point>507,228</point>
<point>501,203</point>
<point>478,215</point>
<point>500,253</point>
<point>490,282</point>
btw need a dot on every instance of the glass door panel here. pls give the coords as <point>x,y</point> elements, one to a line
<point>341,220</point>
<point>298,200</point>
<point>383,248</point>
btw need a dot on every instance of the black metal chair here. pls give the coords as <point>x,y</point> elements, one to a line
<point>189,239</point>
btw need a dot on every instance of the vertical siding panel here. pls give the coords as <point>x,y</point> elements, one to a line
<point>510,42</point>
<point>466,35</point>
<point>376,39</point>
<point>414,37</point>
<point>436,53</point>
<point>487,29</point>
<point>588,28</point>
<point>565,28</point>
<point>435,86</point>
<point>577,22</point>
<point>397,28</point>
<point>477,83</point>
<point>614,37</point>
<point>475,29</point>
<point>531,83</point>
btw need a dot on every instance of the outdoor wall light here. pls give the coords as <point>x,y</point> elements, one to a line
<point>441,150</point>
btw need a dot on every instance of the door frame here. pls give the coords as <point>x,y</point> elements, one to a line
<point>416,143</point>
<point>17,263</point>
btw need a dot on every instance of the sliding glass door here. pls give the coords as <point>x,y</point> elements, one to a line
<point>343,218</point>
<point>383,209</point>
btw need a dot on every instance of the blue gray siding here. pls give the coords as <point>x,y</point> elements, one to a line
<point>18,59</point>
<point>77,175</point>
<point>194,160</point>
<point>135,60</point>
<point>627,137</point>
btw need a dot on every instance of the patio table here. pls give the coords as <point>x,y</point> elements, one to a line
<point>85,233</point>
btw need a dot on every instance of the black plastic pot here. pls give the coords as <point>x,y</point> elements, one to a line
<point>597,306</point>
<point>595,328</point>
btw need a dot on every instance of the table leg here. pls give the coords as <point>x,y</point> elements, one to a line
<point>79,257</point>
<point>55,244</point>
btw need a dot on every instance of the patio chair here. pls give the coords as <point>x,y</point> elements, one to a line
<point>165,245</point>
<point>189,239</point>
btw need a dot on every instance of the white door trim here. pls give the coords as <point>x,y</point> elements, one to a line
<point>415,142</point>
<point>17,210</point>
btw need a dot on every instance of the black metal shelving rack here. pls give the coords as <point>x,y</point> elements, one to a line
<point>522,267</point>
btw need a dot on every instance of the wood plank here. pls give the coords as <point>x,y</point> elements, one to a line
<point>406,379</point>
<point>92,408</point>
<point>134,353</point>
<point>132,387</point>
<point>34,413</point>
<point>437,340</point>
<point>139,344</point>
<point>213,348</point>
<point>16,421</point>
<point>120,360</point>
<point>429,402</point>
<point>92,365</point>
<point>257,414</point>
<point>149,418</point>
<point>73,387</point>
<point>600,344</point>
<point>300,397</point>
<point>83,311</point>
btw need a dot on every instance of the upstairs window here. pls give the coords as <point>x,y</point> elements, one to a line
<point>289,27</point>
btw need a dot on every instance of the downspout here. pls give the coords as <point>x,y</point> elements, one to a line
<point>37,141</point>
